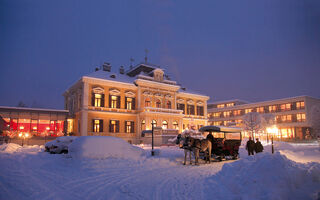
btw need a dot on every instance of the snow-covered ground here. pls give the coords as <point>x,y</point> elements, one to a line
<point>293,172</point>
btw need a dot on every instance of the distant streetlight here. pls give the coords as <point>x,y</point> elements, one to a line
<point>273,130</point>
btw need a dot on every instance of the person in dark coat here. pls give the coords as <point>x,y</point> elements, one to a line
<point>250,147</point>
<point>258,146</point>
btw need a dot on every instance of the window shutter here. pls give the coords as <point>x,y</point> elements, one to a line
<point>102,100</point>
<point>109,101</point>
<point>92,99</point>
<point>133,103</point>
<point>93,125</point>
<point>117,126</point>
<point>132,127</point>
<point>118,101</point>
<point>101,125</point>
<point>110,126</point>
<point>125,103</point>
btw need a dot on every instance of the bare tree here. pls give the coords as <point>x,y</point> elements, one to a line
<point>315,119</point>
<point>252,122</point>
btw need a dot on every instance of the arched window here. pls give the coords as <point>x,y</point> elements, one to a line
<point>169,104</point>
<point>158,103</point>
<point>143,124</point>
<point>154,122</point>
<point>147,103</point>
<point>164,125</point>
<point>175,125</point>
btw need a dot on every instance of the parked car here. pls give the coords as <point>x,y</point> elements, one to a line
<point>59,145</point>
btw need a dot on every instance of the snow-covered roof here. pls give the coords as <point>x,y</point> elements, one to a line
<point>228,101</point>
<point>31,109</point>
<point>113,76</point>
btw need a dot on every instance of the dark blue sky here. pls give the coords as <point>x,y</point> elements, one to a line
<point>251,50</point>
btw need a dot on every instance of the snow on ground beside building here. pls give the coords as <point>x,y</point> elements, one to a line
<point>101,147</point>
<point>40,175</point>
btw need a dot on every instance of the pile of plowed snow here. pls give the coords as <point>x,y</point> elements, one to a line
<point>13,148</point>
<point>266,176</point>
<point>101,147</point>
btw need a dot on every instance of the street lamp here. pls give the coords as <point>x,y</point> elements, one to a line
<point>273,130</point>
<point>152,143</point>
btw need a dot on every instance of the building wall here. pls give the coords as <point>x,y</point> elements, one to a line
<point>287,120</point>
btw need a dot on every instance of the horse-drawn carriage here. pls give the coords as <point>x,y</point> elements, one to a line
<point>225,141</point>
<point>219,143</point>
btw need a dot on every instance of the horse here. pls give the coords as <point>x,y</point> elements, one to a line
<point>204,145</point>
<point>195,145</point>
<point>185,146</point>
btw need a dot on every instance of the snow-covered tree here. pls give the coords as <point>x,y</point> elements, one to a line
<point>252,122</point>
<point>315,119</point>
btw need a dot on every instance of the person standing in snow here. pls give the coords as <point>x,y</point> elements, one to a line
<point>258,146</point>
<point>250,146</point>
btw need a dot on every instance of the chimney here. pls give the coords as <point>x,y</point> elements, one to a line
<point>121,70</point>
<point>106,67</point>
<point>96,69</point>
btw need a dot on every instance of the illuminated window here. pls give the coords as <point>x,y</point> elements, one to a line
<point>230,104</point>
<point>226,113</point>
<point>300,105</point>
<point>301,117</point>
<point>220,106</point>
<point>154,123</point>
<point>248,110</point>
<point>217,114</point>
<point>200,110</point>
<point>147,103</point>
<point>285,107</point>
<point>34,125</point>
<point>164,125</point>
<point>260,109</point>
<point>130,103</point>
<point>175,125</point>
<point>169,104</point>
<point>97,125</point>
<point>286,118</point>
<point>190,109</point>
<point>53,126</point>
<point>181,106</point>
<point>129,127</point>
<point>226,123</point>
<point>98,100</point>
<point>114,126</point>
<point>114,101</point>
<point>158,103</point>
<point>272,108</point>
<point>237,112</point>
<point>217,123</point>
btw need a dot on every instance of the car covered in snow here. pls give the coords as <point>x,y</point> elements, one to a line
<point>59,145</point>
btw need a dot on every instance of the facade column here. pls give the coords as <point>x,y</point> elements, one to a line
<point>84,110</point>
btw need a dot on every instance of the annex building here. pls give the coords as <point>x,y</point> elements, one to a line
<point>125,104</point>
<point>293,116</point>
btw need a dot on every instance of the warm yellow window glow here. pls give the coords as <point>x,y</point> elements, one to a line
<point>286,106</point>
<point>96,127</point>
<point>300,105</point>
<point>226,113</point>
<point>220,106</point>
<point>114,100</point>
<point>237,112</point>
<point>301,117</point>
<point>97,100</point>
<point>272,108</point>
<point>230,104</point>
<point>175,125</point>
<point>260,109</point>
<point>217,114</point>
<point>248,110</point>
<point>164,125</point>
<point>129,103</point>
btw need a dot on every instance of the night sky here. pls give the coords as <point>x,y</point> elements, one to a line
<point>250,50</point>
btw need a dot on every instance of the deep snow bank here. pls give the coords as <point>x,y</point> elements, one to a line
<point>266,176</point>
<point>100,147</point>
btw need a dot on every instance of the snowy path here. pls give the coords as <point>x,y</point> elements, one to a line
<point>44,176</point>
<point>30,174</point>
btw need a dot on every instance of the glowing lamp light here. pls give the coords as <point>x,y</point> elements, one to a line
<point>34,128</point>
<point>20,134</point>
<point>26,135</point>
<point>21,127</point>
<point>48,128</point>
